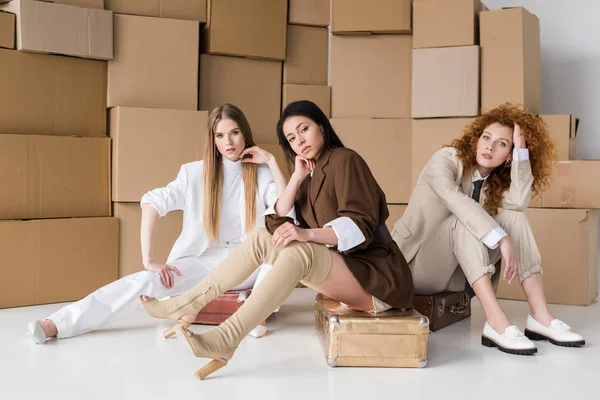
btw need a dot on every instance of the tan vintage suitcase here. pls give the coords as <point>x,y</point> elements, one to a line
<point>352,338</point>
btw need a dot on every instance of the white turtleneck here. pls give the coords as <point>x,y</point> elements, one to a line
<point>231,214</point>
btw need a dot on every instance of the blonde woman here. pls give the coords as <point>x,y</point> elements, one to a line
<point>466,214</point>
<point>222,197</point>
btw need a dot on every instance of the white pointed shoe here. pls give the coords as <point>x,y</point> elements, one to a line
<point>558,333</point>
<point>259,331</point>
<point>512,341</point>
<point>36,332</point>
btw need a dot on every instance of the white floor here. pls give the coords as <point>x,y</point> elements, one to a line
<point>133,361</point>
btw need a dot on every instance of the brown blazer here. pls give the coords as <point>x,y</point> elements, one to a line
<point>443,189</point>
<point>342,186</point>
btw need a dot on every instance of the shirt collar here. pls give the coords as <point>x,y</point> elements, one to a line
<point>477,176</point>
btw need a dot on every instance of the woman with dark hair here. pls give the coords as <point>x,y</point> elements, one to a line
<point>222,197</point>
<point>466,213</point>
<point>337,243</point>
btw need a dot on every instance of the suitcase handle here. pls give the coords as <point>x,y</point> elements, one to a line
<point>461,308</point>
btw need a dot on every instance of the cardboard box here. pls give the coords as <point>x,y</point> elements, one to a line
<point>384,16</point>
<point>150,145</point>
<point>445,82</point>
<point>252,85</point>
<point>277,151</point>
<point>385,146</point>
<point>246,28</point>
<point>62,29</point>
<point>56,260</point>
<point>563,129</point>
<point>371,76</point>
<point>429,136</point>
<point>309,12</point>
<point>54,177</point>
<point>320,95</point>
<point>51,95</point>
<point>7,30</point>
<point>168,229</point>
<point>156,63</point>
<point>568,243</point>
<point>97,4</point>
<point>396,212</point>
<point>194,10</point>
<point>442,23</point>
<point>307,55</point>
<point>510,59</point>
<point>574,185</point>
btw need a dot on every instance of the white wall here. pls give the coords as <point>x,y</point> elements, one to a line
<point>570,41</point>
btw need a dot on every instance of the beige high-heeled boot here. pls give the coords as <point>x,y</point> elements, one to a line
<point>310,262</point>
<point>234,270</point>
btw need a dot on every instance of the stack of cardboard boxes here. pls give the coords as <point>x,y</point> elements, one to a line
<point>371,63</point>
<point>305,67</point>
<point>155,124</point>
<point>58,240</point>
<point>394,97</point>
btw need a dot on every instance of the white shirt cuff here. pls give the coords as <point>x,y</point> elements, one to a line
<point>520,154</point>
<point>348,233</point>
<point>492,238</point>
<point>291,214</point>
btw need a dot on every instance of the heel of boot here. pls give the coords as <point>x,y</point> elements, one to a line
<point>487,342</point>
<point>212,366</point>
<point>533,335</point>
<point>171,331</point>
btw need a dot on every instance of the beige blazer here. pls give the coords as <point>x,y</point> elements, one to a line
<point>443,190</point>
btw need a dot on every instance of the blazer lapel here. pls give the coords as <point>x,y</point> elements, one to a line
<point>467,183</point>
<point>318,176</point>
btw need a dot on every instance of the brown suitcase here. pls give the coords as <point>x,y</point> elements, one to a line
<point>358,339</point>
<point>221,308</point>
<point>443,309</point>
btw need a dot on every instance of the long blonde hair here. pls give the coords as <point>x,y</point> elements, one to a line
<point>213,172</point>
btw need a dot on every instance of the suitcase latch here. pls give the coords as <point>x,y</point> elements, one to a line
<point>442,307</point>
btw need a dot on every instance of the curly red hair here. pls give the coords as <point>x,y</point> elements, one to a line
<point>542,151</point>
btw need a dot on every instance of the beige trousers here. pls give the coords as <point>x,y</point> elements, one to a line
<point>452,254</point>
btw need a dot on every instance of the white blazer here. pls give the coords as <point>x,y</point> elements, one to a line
<point>187,193</point>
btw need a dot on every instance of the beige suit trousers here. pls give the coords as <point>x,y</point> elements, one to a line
<point>453,253</point>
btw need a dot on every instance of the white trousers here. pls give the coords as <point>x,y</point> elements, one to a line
<point>121,298</point>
